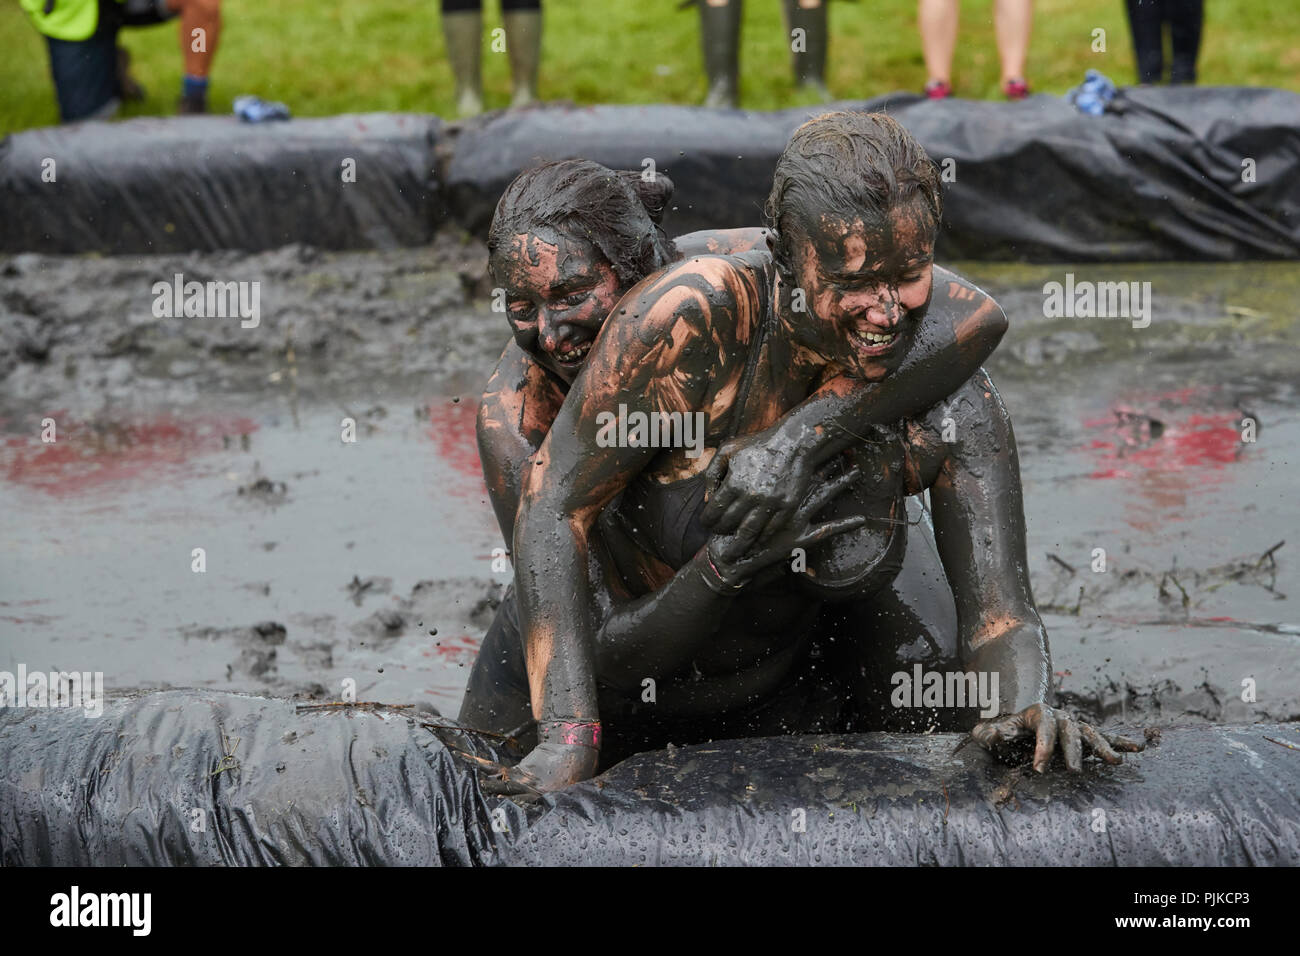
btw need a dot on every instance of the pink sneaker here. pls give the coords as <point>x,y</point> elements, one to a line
<point>938,89</point>
<point>1015,89</point>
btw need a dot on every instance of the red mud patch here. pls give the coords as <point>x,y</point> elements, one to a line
<point>1168,434</point>
<point>89,454</point>
<point>452,429</point>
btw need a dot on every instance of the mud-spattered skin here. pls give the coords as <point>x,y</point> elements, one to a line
<point>529,384</point>
<point>653,616</point>
<point>677,343</point>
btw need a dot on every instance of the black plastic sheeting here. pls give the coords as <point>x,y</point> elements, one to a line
<point>1035,180</point>
<point>207,183</point>
<point>205,778</point>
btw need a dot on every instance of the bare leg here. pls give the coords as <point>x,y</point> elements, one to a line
<point>1013,21</point>
<point>198,50</point>
<point>937,20</point>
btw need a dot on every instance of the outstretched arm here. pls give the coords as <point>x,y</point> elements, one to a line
<point>654,358</point>
<point>979,526</point>
<point>769,472</point>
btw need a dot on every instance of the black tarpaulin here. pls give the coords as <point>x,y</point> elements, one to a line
<point>205,778</point>
<point>1183,173</point>
<point>206,183</point>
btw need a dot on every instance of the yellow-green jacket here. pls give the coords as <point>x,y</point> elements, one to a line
<point>64,19</point>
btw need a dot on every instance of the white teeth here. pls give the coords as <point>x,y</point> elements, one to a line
<point>874,338</point>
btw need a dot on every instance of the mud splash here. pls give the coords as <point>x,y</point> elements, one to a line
<point>373,561</point>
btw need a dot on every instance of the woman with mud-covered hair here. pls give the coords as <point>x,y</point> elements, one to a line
<point>568,240</point>
<point>744,340</point>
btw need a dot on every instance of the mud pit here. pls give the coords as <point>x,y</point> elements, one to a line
<point>374,560</point>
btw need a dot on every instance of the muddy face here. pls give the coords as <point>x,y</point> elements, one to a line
<point>865,289</point>
<point>558,292</point>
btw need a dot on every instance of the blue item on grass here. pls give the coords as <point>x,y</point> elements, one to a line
<point>254,109</point>
<point>1093,95</point>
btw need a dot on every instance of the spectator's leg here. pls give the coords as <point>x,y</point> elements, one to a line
<point>808,50</point>
<point>462,29</point>
<point>199,31</point>
<point>523,22</point>
<point>1146,24</point>
<point>1013,22</point>
<point>720,35</point>
<point>85,75</point>
<point>937,20</point>
<point>1185,19</point>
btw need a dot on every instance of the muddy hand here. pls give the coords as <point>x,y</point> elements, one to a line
<point>550,766</point>
<point>755,485</point>
<point>736,559</point>
<point>1052,728</point>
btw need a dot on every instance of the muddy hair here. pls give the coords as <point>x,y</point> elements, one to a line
<point>617,211</point>
<point>848,166</point>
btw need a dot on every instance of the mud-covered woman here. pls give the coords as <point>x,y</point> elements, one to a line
<point>568,240</point>
<point>742,340</point>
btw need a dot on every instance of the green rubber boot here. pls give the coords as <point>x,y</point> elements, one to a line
<point>808,49</point>
<point>524,47</point>
<point>463,32</point>
<point>720,36</point>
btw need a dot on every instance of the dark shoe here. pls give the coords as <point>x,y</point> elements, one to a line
<point>1015,89</point>
<point>192,106</point>
<point>938,89</point>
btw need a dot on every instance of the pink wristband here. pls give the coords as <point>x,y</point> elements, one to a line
<point>571,733</point>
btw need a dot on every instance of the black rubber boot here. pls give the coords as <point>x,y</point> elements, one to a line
<point>1186,19</point>
<point>720,36</point>
<point>808,49</point>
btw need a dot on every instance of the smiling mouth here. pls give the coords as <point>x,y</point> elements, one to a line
<point>873,343</point>
<point>573,356</point>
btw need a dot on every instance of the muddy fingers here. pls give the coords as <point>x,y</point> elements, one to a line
<point>821,532</point>
<point>1046,725</point>
<point>1071,742</point>
<point>1099,745</point>
<point>1124,744</point>
<point>825,493</point>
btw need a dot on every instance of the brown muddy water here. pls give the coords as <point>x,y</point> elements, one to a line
<point>372,560</point>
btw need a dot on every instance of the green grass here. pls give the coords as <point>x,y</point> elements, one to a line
<point>337,56</point>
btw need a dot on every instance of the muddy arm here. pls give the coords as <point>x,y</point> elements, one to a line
<point>640,637</point>
<point>756,480</point>
<point>518,405</point>
<point>979,524</point>
<point>959,332</point>
<point>652,361</point>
